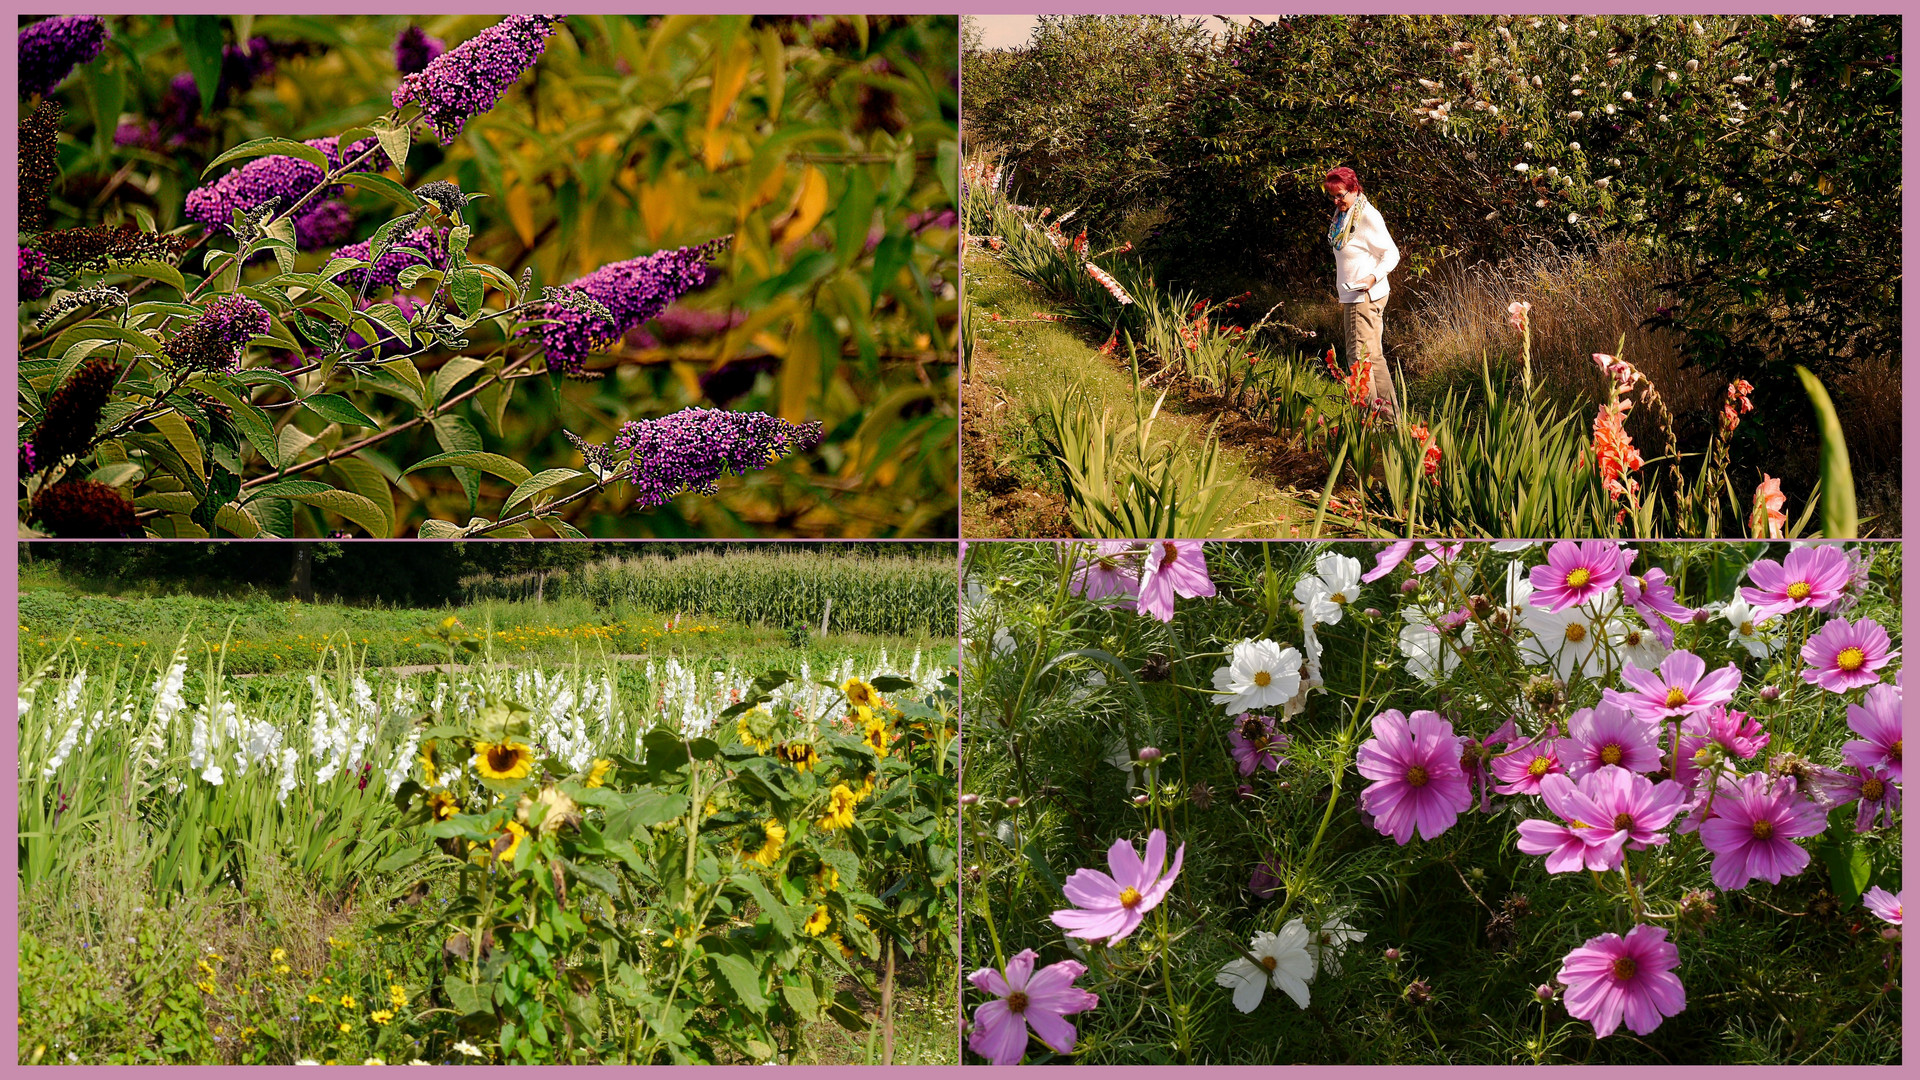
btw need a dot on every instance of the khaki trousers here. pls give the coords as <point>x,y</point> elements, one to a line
<point>1360,325</point>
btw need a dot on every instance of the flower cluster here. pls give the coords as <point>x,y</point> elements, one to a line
<point>83,509</point>
<point>39,160</point>
<point>631,291</point>
<point>214,341</point>
<point>691,449</point>
<point>52,48</point>
<point>1108,283</point>
<point>469,80</point>
<point>385,271</point>
<point>33,274</point>
<point>99,246</point>
<point>413,50</point>
<point>288,179</point>
<point>67,426</point>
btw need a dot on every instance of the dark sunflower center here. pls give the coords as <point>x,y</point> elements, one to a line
<point>502,757</point>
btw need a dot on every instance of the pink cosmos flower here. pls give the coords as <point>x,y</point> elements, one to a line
<point>1112,570</point>
<point>1633,804</point>
<point>1173,567</point>
<point>1584,842</point>
<point>1026,998</point>
<point>1519,770</point>
<point>1681,687</point>
<point>1418,783</point>
<point>1255,746</point>
<point>1753,827</point>
<point>1810,577</point>
<point>1608,734</point>
<point>1575,573</point>
<point>1882,903</point>
<point>1388,558</point>
<point>1878,723</point>
<point>1875,794</point>
<point>1651,596</point>
<point>1735,733</point>
<point>1111,906</point>
<point>1844,655</point>
<point>1611,979</point>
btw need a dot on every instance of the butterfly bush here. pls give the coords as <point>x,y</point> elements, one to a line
<point>1729,723</point>
<point>49,50</point>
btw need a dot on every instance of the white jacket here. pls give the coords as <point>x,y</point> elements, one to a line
<point>1369,250</point>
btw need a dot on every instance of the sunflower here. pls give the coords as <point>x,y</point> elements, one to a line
<point>428,773</point>
<point>828,878</point>
<point>817,922</point>
<point>878,735</point>
<point>601,767</point>
<point>866,788</point>
<point>772,836</point>
<point>755,730</point>
<point>840,803</point>
<point>502,760</point>
<point>801,756</point>
<point>860,694</point>
<point>443,805</point>
<point>510,835</point>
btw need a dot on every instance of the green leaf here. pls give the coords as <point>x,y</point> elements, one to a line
<point>435,529</point>
<point>380,185</point>
<point>254,148</point>
<point>853,216</point>
<point>742,977</point>
<point>1848,869</point>
<point>363,478</point>
<point>252,422</point>
<point>355,508</point>
<point>537,483</point>
<point>948,169</point>
<point>456,435</point>
<point>222,487</point>
<point>158,271</point>
<point>465,997</point>
<point>1839,513</point>
<point>339,410</point>
<point>503,467</point>
<point>468,291</point>
<point>109,95</point>
<point>396,141</point>
<point>449,375</point>
<point>202,39</point>
<point>180,436</point>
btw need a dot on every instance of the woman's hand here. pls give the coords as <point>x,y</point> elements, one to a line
<point>1367,282</point>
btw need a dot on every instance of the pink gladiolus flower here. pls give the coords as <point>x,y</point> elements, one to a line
<point>1681,687</point>
<point>1769,516</point>
<point>1611,979</point>
<point>1878,724</point>
<point>1111,906</point>
<point>1844,655</point>
<point>1026,998</point>
<point>1173,567</point>
<point>1810,577</point>
<point>1517,314</point>
<point>1521,770</point>
<point>1255,746</point>
<point>1882,903</point>
<point>1608,734</point>
<point>1418,782</point>
<point>1753,827</point>
<point>1113,570</point>
<point>1575,573</point>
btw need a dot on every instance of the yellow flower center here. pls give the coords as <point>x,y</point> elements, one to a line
<point>1799,590</point>
<point>1873,789</point>
<point>1763,830</point>
<point>1579,577</point>
<point>1612,754</point>
<point>1338,598</point>
<point>1540,767</point>
<point>1416,776</point>
<point>1851,658</point>
<point>1261,678</point>
<point>1017,1002</point>
<point>1893,752</point>
<point>1676,696</point>
<point>1269,962</point>
<point>1625,967</point>
<point>1130,897</point>
<point>1576,632</point>
<point>1746,628</point>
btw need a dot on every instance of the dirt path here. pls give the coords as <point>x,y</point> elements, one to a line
<point>1006,492</point>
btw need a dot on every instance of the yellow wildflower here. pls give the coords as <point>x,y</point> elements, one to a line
<point>382,1016</point>
<point>860,693</point>
<point>398,995</point>
<point>878,735</point>
<point>346,1001</point>
<point>801,756</point>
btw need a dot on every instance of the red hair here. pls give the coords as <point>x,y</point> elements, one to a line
<point>1345,177</point>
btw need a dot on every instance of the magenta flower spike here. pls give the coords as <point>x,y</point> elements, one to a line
<point>1877,722</point>
<point>1418,784</point>
<point>288,179</point>
<point>1111,905</point>
<point>1883,904</point>
<point>1174,567</point>
<point>413,50</point>
<point>1390,557</point>
<point>1753,828</point>
<point>1575,573</point>
<point>632,291</point>
<point>1844,655</point>
<point>1112,569</point>
<point>1681,687</point>
<point>1612,979</point>
<point>467,81</point>
<point>1810,577</point>
<point>692,449</point>
<point>1027,999</point>
<point>1608,734</point>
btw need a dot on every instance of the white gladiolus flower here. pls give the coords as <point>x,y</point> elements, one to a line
<point>1693,65</point>
<point>1262,674</point>
<point>212,775</point>
<point>1325,594</point>
<point>1603,183</point>
<point>1284,964</point>
<point>1743,79</point>
<point>1553,170</point>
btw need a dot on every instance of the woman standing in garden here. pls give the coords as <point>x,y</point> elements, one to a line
<point>1363,255</point>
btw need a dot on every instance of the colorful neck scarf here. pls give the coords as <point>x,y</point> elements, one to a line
<point>1342,227</point>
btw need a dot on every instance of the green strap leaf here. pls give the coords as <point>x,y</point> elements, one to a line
<point>254,148</point>
<point>339,410</point>
<point>503,467</point>
<point>380,185</point>
<point>1839,513</point>
<point>537,483</point>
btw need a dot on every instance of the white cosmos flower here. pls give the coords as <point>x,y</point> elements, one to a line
<point>1325,594</point>
<point>1638,645</point>
<point>1569,639</point>
<point>1749,633</point>
<point>1332,939</point>
<point>1429,656</point>
<point>1509,547</point>
<point>1263,674</point>
<point>1285,964</point>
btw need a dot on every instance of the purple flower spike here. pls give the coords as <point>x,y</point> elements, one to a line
<point>691,449</point>
<point>52,48</point>
<point>33,274</point>
<point>469,80</point>
<point>414,50</point>
<point>275,176</point>
<point>632,291</point>
<point>213,343</point>
<point>386,271</point>
<point>322,224</point>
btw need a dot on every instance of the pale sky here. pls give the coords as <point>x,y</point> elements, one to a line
<point>1010,31</point>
